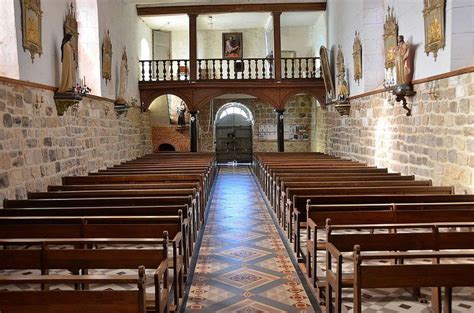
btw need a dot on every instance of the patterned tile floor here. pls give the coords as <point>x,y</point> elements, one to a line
<point>243,265</point>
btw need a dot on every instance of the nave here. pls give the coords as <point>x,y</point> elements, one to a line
<point>243,264</point>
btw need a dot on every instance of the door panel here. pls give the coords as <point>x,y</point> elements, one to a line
<point>234,143</point>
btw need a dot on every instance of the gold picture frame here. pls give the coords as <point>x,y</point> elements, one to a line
<point>326,72</point>
<point>434,17</point>
<point>31,16</point>
<point>70,26</point>
<point>107,58</point>
<point>390,38</point>
<point>357,57</point>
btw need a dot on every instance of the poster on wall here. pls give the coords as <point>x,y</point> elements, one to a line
<point>31,16</point>
<point>107,58</point>
<point>357,57</point>
<point>390,38</point>
<point>232,45</point>
<point>434,15</point>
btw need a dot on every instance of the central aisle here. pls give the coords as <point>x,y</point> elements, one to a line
<point>243,265</point>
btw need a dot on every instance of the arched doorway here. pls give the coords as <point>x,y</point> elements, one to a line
<point>233,133</point>
<point>166,147</point>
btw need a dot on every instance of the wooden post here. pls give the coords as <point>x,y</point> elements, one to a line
<point>277,44</point>
<point>280,130</point>
<point>193,130</point>
<point>192,47</point>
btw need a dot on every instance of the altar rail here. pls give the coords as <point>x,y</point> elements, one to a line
<point>229,69</point>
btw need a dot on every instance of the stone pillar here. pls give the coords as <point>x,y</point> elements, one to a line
<point>193,130</point>
<point>277,44</point>
<point>280,130</point>
<point>192,47</point>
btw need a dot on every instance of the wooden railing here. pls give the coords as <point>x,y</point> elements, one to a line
<point>229,69</point>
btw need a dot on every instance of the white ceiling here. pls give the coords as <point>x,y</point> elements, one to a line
<point>204,2</point>
<point>229,21</point>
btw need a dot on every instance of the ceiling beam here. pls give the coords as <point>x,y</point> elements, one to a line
<point>231,8</point>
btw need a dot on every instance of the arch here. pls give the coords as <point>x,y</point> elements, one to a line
<point>310,92</point>
<point>234,108</point>
<point>166,147</point>
<point>147,101</point>
<point>255,93</point>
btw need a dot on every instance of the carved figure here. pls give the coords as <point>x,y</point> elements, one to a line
<point>68,69</point>
<point>402,62</point>
<point>122,96</point>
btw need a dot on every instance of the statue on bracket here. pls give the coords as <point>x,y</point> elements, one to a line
<point>434,16</point>
<point>107,58</point>
<point>357,57</point>
<point>390,38</point>
<point>404,73</point>
<point>31,15</point>
<point>70,27</point>
<point>122,95</point>
<point>68,69</point>
<point>342,88</point>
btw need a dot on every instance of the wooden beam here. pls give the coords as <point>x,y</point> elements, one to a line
<point>231,8</point>
<point>192,47</point>
<point>277,44</point>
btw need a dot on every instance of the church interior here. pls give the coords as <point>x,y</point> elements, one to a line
<point>236,156</point>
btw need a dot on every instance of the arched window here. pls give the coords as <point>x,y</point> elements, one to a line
<point>234,108</point>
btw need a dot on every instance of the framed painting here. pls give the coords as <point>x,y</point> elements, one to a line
<point>31,16</point>
<point>434,16</point>
<point>326,72</point>
<point>232,46</point>
<point>390,38</point>
<point>107,58</point>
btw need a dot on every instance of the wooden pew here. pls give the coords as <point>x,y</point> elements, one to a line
<point>77,255</point>
<point>297,215</point>
<point>427,237</point>
<point>67,301</point>
<point>411,276</point>
<point>110,227</point>
<point>377,214</point>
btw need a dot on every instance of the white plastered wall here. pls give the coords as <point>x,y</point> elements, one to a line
<point>368,17</point>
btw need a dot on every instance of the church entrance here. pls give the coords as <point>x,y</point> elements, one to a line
<point>233,133</point>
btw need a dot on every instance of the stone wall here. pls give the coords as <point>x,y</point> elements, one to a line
<point>298,112</point>
<point>436,142</point>
<point>37,147</point>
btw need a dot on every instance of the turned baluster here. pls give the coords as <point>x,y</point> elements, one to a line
<point>213,69</point>
<point>307,68</point>
<point>228,69</point>
<point>263,69</point>
<point>256,68</point>
<point>299,68</point>
<point>220,69</point>
<point>313,70</point>
<point>286,68</point>
<point>142,63</point>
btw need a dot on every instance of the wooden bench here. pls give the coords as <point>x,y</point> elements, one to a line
<point>410,275</point>
<point>377,214</point>
<point>427,237</point>
<point>66,301</point>
<point>79,256</point>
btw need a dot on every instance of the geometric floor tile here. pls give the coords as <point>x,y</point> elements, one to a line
<point>243,254</point>
<point>250,306</point>
<point>246,279</point>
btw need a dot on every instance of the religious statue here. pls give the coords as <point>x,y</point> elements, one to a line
<point>181,110</point>
<point>342,90</point>
<point>68,72</point>
<point>403,65</point>
<point>122,95</point>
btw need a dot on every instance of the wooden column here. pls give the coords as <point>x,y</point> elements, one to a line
<point>193,129</point>
<point>280,130</point>
<point>192,47</point>
<point>277,44</point>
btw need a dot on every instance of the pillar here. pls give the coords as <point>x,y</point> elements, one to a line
<point>277,44</point>
<point>280,130</point>
<point>193,129</point>
<point>192,47</point>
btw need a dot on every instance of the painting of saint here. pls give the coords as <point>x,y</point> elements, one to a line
<point>232,45</point>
